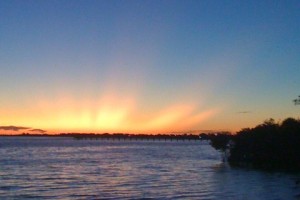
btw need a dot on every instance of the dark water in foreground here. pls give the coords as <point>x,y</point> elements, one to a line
<point>63,168</point>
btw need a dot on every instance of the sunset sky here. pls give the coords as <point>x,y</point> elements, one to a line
<point>147,66</point>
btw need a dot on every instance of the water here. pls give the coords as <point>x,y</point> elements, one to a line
<point>64,168</point>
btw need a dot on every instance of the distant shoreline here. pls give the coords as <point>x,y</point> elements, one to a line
<point>114,136</point>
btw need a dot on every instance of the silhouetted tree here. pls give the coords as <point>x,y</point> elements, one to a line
<point>220,140</point>
<point>297,101</point>
<point>269,145</point>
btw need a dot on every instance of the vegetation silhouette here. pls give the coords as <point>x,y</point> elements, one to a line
<point>269,146</point>
<point>297,101</point>
<point>114,136</point>
<point>124,136</point>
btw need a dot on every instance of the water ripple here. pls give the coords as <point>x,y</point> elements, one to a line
<point>63,168</point>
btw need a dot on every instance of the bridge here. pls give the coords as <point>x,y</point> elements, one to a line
<point>121,136</point>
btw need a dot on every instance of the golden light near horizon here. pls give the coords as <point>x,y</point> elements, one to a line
<point>109,114</point>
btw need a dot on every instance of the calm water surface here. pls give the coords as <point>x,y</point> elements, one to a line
<point>64,168</point>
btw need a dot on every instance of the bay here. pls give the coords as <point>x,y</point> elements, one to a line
<point>64,168</point>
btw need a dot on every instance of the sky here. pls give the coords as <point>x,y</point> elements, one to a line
<point>147,66</point>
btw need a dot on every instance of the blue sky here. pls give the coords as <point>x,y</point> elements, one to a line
<point>154,59</point>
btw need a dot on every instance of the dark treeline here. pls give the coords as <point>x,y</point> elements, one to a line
<point>116,136</point>
<point>124,136</point>
<point>270,145</point>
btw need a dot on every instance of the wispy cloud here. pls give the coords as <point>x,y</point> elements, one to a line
<point>38,130</point>
<point>244,112</point>
<point>18,128</point>
<point>13,128</point>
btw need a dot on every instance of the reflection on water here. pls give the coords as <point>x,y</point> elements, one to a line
<point>63,168</point>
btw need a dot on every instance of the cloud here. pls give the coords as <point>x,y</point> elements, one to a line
<point>18,128</point>
<point>38,130</point>
<point>13,128</point>
<point>244,112</point>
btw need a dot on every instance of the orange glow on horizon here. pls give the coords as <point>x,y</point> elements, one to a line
<point>109,114</point>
